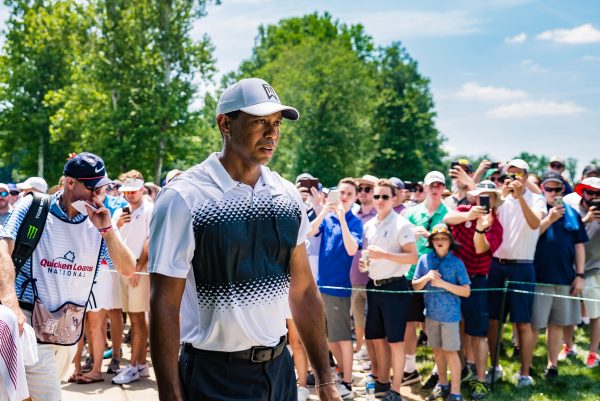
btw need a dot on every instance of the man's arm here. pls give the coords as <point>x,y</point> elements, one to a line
<point>554,214</point>
<point>165,304</point>
<point>349,242</point>
<point>316,223</point>
<point>579,282</point>
<point>408,256</point>
<point>8,295</point>
<point>533,218</point>
<point>120,255</point>
<point>308,313</point>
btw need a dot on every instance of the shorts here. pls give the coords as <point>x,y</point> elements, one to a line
<point>518,305</point>
<point>443,335</point>
<point>475,308</point>
<point>359,305</point>
<point>556,311</point>
<point>106,292</point>
<point>214,377</point>
<point>415,307</point>
<point>43,377</point>
<point>135,299</point>
<point>337,313</point>
<point>592,290</point>
<point>386,315</point>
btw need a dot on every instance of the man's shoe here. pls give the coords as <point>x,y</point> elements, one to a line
<point>525,381</point>
<point>551,372</point>
<point>303,393</point>
<point>410,378</point>
<point>439,393</point>
<point>422,340</point>
<point>466,374</point>
<point>114,366</point>
<point>567,352</point>
<point>88,365</point>
<point>497,375</point>
<point>365,367</point>
<point>431,382</point>
<point>478,389</point>
<point>345,390</point>
<point>592,360</point>
<point>455,397</point>
<point>143,370</point>
<point>362,355</point>
<point>107,354</point>
<point>392,396</point>
<point>382,389</point>
<point>127,375</point>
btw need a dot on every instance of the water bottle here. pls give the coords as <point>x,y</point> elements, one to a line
<point>370,389</point>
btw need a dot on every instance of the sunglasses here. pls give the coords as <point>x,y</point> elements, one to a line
<point>592,193</point>
<point>556,165</point>
<point>553,189</point>
<point>366,189</point>
<point>130,192</point>
<point>384,197</point>
<point>14,193</point>
<point>4,194</point>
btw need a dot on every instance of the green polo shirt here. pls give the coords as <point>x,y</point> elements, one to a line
<point>419,216</point>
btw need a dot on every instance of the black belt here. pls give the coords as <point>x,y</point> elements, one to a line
<point>477,275</point>
<point>26,306</point>
<point>257,354</point>
<point>512,261</point>
<point>383,281</point>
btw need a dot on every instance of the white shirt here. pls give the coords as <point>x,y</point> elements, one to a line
<point>205,227</point>
<point>519,240</point>
<point>136,232</point>
<point>389,234</point>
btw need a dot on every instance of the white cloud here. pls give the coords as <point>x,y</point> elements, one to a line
<point>585,33</point>
<point>590,57</point>
<point>535,109</point>
<point>474,91</point>
<point>532,66</point>
<point>518,38</point>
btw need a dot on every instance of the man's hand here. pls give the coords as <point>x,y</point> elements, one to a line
<point>329,393</point>
<point>484,222</point>
<point>461,176</point>
<point>101,217</point>
<point>133,280</point>
<point>339,211</point>
<point>317,201</point>
<point>438,282</point>
<point>420,231</point>
<point>475,212</point>
<point>577,286</point>
<point>593,214</point>
<point>556,213</point>
<point>376,252</point>
<point>432,275</point>
<point>517,189</point>
<point>484,165</point>
<point>363,265</point>
<point>123,219</point>
<point>20,318</point>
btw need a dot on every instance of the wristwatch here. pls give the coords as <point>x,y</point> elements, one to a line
<point>579,275</point>
<point>481,232</point>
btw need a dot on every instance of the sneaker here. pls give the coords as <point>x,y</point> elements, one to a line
<point>303,393</point>
<point>310,379</point>
<point>345,390</point>
<point>455,397</point>
<point>361,355</point>
<point>524,381</point>
<point>592,360</point>
<point>392,396</point>
<point>567,352</point>
<point>88,365</point>
<point>365,367</point>
<point>107,354</point>
<point>478,389</point>
<point>439,393</point>
<point>497,375</point>
<point>422,340</point>
<point>381,389</point>
<point>431,382</point>
<point>551,372</point>
<point>466,374</point>
<point>410,378</point>
<point>144,370</point>
<point>114,366</point>
<point>127,375</point>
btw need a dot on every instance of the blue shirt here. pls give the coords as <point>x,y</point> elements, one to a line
<point>112,203</point>
<point>442,306</point>
<point>555,252</point>
<point>334,261</point>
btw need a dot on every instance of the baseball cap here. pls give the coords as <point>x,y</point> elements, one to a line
<point>518,163</point>
<point>485,186</point>
<point>434,176</point>
<point>87,167</point>
<point>591,169</point>
<point>397,182</point>
<point>4,187</point>
<point>256,97</point>
<point>172,174</point>
<point>557,159</point>
<point>466,164</point>
<point>588,183</point>
<point>37,183</point>
<point>367,179</point>
<point>304,176</point>
<point>551,176</point>
<point>131,185</point>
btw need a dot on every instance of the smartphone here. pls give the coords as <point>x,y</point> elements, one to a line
<point>558,201</point>
<point>484,200</point>
<point>596,203</point>
<point>495,165</point>
<point>334,196</point>
<point>454,165</point>
<point>126,210</point>
<point>309,183</point>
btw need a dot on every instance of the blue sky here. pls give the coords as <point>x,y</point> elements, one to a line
<point>506,75</point>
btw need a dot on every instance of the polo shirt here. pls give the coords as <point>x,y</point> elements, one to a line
<point>136,232</point>
<point>400,208</point>
<point>518,239</point>
<point>4,217</point>
<point>592,248</point>
<point>356,276</point>
<point>232,243</point>
<point>418,215</point>
<point>441,305</point>
<point>555,252</point>
<point>334,261</point>
<point>390,234</point>
<point>113,203</point>
<point>464,234</point>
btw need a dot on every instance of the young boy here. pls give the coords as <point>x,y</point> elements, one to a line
<point>444,273</point>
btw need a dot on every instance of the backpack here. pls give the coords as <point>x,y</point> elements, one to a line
<point>31,229</point>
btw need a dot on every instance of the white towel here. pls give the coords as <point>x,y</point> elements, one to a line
<point>12,371</point>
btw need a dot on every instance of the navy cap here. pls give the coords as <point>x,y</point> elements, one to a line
<point>397,182</point>
<point>87,167</point>
<point>551,176</point>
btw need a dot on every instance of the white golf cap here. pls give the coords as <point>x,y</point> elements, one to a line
<point>131,185</point>
<point>518,163</point>
<point>368,180</point>
<point>434,176</point>
<point>557,159</point>
<point>256,97</point>
<point>37,183</point>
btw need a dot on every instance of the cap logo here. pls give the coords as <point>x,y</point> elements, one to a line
<point>270,92</point>
<point>97,170</point>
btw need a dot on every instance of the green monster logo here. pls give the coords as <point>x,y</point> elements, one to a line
<point>32,232</point>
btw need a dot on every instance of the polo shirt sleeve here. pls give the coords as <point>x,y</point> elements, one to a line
<point>172,242</point>
<point>406,234</point>
<point>494,235</point>
<point>15,219</point>
<point>539,204</point>
<point>421,269</point>
<point>462,277</point>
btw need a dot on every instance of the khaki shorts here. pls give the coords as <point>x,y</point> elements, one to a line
<point>592,308</point>
<point>337,313</point>
<point>359,305</point>
<point>135,299</point>
<point>43,377</point>
<point>444,335</point>
<point>556,311</point>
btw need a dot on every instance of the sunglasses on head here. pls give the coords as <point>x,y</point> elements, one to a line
<point>4,193</point>
<point>384,197</point>
<point>592,193</point>
<point>366,189</point>
<point>553,189</point>
<point>440,230</point>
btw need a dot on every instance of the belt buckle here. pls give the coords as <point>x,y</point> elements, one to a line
<point>375,283</point>
<point>253,355</point>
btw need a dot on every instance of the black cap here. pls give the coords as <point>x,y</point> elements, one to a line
<point>87,167</point>
<point>552,176</point>
<point>591,169</point>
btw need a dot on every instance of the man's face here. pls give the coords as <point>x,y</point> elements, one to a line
<point>495,178</point>
<point>557,167</point>
<point>347,195</point>
<point>134,197</point>
<point>252,138</point>
<point>383,199</point>
<point>551,190</point>
<point>365,194</point>
<point>13,197</point>
<point>441,243</point>
<point>80,190</point>
<point>590,194</point>
<point>434,190</point>
<point>4,196</point>
<point>520,174</point>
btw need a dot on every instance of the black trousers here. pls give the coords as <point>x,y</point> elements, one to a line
<point>213,376</point>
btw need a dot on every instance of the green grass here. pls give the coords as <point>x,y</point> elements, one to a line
<point>574,383</point>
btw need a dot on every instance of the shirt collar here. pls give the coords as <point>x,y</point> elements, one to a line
<point>221,177</point>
